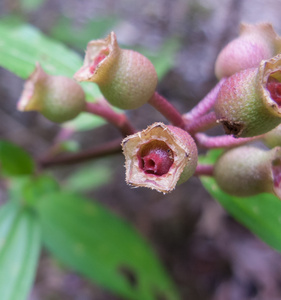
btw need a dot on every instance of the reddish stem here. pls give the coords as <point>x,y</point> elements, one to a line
<point>105,149</point>
<point>167,110</point>
<point>202,124</point>
<point>225,141</point>
<point>205,104</point>
<point>104,110</point>
<point>204,170</point>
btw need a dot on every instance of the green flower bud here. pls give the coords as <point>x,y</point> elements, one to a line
<point>57,98</point>
<point>273,138</point>
<point>249,102</point>
<point>254,44</point>
<point>247,171</point>
<point>159,157</point>
<point>126,78</point>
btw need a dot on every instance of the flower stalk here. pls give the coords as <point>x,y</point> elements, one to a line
<point>205,105</point>
<point>103,109</point>
<point>167,110</point>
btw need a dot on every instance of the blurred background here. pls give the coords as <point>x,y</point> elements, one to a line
<point>206,252</point>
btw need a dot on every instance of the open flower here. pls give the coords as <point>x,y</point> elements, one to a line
<point>247,171</point>
<point>249,102</point>
<point>58,98</point>
<point>159,157</point>
<point>254,44</point>
<point>126,78</point>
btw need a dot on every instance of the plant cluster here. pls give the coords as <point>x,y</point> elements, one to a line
<point>246,101</point>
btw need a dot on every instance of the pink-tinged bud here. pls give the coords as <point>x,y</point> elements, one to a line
<point>126,78</point>
<point>273,138</point>
<point>248,103</point>
<point>255,43</point>
<point>247,171</point>
<point>57,98</point>
<point>159,157</point>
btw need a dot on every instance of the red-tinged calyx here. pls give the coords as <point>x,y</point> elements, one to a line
<point>155,157</point>
<point>159,157</point>
<point>274,87</point>
<point>98,59</point>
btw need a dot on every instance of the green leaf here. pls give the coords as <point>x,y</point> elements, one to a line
<point>90,239</point>
<point>31,5</point>
<point>22,45</point>
<point>79,35</point>
<point>14,160</point>
<point>261,213</point>
<point>90,177</point>
<point>84,122</point>
<point>19,250</point>
<point>36,187</point>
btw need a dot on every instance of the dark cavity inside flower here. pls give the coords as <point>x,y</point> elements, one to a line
<point>274,86</point>
<point>99,58</point>
<point>155,157</point>
<point>276,171</point>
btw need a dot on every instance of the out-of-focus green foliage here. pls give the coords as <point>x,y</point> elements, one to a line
<point>89,177</point>
<point>31,5</point>
<point>14,160</point>
<point>20,241</point>
<point>88,238</point>
<point>261,213</point>
<point>78,36</point>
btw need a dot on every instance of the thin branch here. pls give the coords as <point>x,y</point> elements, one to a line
<point>104,110</point>
<point>167,110</point>
<point>225,141</point>
<point>105,149</point>
<point>204,170</point>
<point>205,104</point>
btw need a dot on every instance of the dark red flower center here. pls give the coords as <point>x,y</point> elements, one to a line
<point>274,88</point>
<point>100,57</point>
<point>155,157</point>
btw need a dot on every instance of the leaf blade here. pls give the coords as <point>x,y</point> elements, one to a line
<point>20,245</point>
<point>14,160</point>
<point>96,243</point>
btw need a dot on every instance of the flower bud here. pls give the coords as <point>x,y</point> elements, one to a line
<point>159,157</point>
<point>57,98</point>
<point>249,102</point>
<point>126,78</point>
<point>254,44</point>
<point>247,171</point>
<point>273,138</point>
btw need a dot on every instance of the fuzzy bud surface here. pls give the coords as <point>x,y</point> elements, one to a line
<point>57,98</point>
<point>159,157</point>
<point>126,78</point>
<point>273,138</point>
<point>247,171</point>
<point>255,43</point>
<point>248,103</point>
